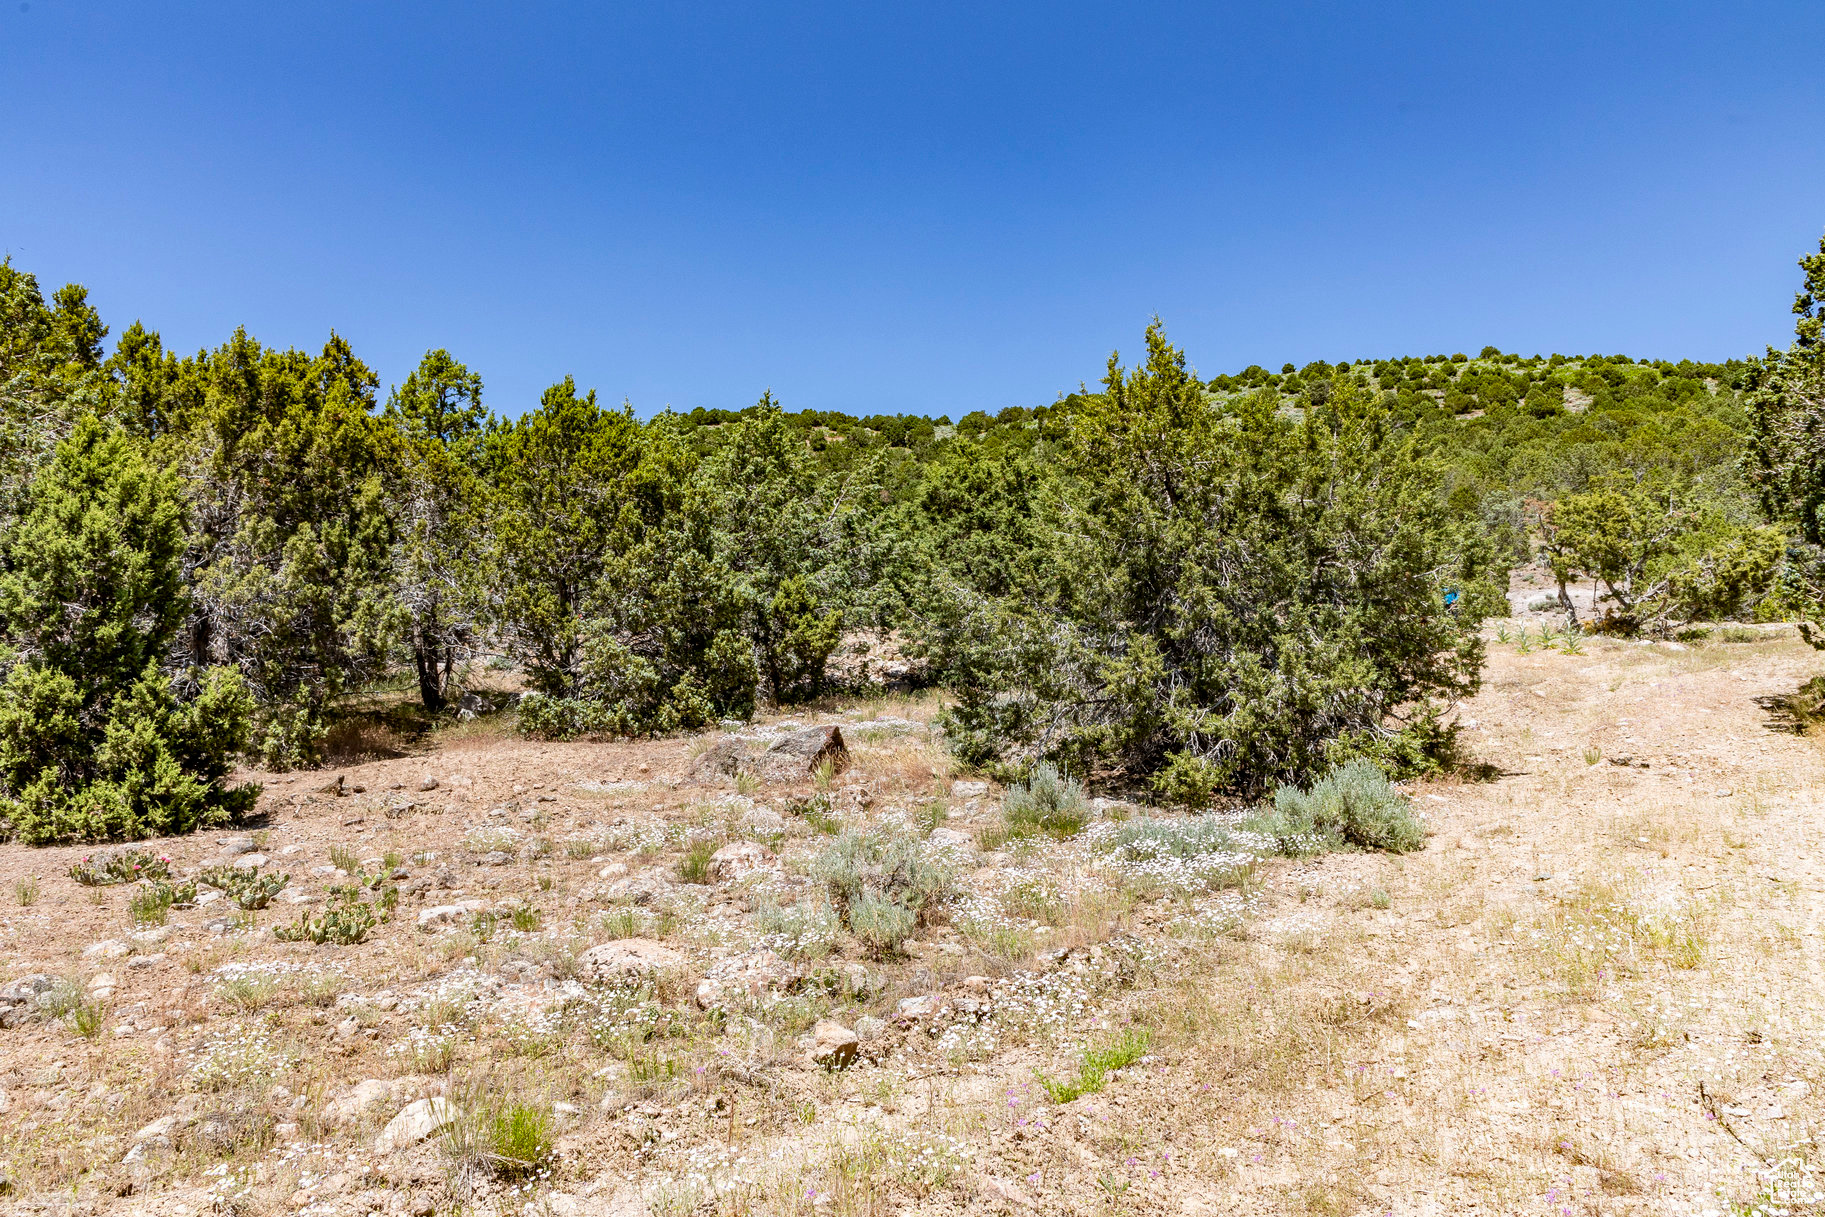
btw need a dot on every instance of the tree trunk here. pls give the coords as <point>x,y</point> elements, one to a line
<point>430,678</point>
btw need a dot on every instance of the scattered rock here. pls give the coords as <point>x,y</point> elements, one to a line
<point>797,756</point>
<point>444,916</point>
<point>1006,1190</point>
<point>414,1123</point>
<point>647,887</point>
<point>739,858</point>
<point>357,1101</point>
<point>833,1045</point>
<point>916,1007</point>
<point>726,758</point>
<point>763,822</point>
<point>428,783</point>
<point>752,975</point>
<point>627,959</point>
<point>24,997</point>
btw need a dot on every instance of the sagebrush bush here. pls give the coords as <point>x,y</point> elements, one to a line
<point>804,930</point>
<point>1354,805</point>
<point>873,874</point>
<point>881,922</point>
<point>1047,802</point>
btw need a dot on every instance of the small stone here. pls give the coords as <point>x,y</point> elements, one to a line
<point>445,915</point>
<point>739,858</point>
<point>647,887</point>
<point>427,783</point>
<point>357,1101</point>
<point>160,1127</point>
<point>627,959</point>
<point>414,1123</point>
<point>916,1007</point>
<point>833,1045</point>
<point>1008,1190</point>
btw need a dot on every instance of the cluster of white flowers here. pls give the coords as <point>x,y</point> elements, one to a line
<point>426,1049</point>
<point>488,839</point>
<point>238,1056</point>
<point>643,837</point>
<point>1216,915</point>
<point>711,1173</point>
<point>806,929</point>
<point>617,1017</point>
<point>1789,1188</point>
<point>927,1159</point>
<point>1181,857</point>
<point>275,969</point>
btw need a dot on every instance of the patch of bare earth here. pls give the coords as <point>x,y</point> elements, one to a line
<point>1597,990</point>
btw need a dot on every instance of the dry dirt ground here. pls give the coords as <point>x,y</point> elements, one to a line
<point>1596,990</point>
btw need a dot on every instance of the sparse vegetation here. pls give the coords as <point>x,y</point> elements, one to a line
<point>248,888</point>
<point>1097,1064</point>
<point>120,866</point>
<point>1047,802</point>
<point>1353,805</point>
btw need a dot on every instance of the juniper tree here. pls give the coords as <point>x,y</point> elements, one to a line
<point>94,741</point>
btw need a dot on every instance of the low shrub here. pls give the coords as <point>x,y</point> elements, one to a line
<point>1047,802</point>
<point>885,882</point>
<point>880,922</point>
<point>1353,805</point>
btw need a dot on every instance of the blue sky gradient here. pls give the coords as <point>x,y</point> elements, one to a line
<point>926,208</point>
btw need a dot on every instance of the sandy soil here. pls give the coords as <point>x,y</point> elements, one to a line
<point>1597,990</point>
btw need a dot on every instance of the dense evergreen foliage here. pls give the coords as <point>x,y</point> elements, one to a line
<point>1192,586</point>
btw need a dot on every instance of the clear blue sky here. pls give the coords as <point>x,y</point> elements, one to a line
<point>927,207</point>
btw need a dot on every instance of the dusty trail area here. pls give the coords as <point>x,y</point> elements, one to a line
<point>1597,990</point>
